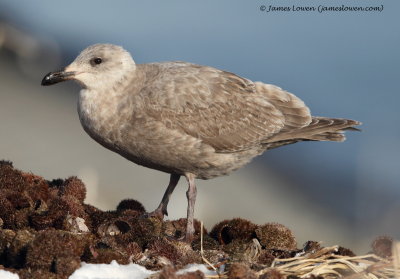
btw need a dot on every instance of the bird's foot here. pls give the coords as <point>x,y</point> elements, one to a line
<point>189,237</point>
<point>158,213</point>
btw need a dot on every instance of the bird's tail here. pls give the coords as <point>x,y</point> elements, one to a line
<point>320,129</point>
<point>326,129</point>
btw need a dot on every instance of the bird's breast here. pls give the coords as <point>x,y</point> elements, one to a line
<point>102,115</point>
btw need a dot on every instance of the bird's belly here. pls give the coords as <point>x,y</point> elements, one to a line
<point>199,159</point>
<point>167,158</point>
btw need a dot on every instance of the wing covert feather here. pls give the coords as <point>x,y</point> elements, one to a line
<point>218,107</point>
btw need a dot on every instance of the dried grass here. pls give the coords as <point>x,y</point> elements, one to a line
<point>326,264</point>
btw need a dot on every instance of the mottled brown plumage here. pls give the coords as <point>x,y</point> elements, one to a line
<point>187,119</point>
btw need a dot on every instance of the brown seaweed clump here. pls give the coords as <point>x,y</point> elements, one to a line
<point>234,229</point>
<point>130,204</point>
<point>276,236</point>
<point>241,271</point>
<point>272,274</point>
<point>382,246</point>
<point>46,231</point>
<point>342,251</point>
<point>56,251</point>
<point>73,187</point>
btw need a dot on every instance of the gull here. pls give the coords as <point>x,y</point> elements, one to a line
<point>186,119</point>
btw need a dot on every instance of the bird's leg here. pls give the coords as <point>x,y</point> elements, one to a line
<point>162,208</point>
<point>191,196</point>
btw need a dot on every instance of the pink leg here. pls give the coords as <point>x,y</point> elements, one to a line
<point>191,196</point>
<point>162,208</point>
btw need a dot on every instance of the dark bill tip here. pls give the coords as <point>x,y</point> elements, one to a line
<point>56,77</point>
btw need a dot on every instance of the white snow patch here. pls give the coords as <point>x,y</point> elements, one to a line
<point>111,271</point>
<point>8,275</point>
<point>117,271</point>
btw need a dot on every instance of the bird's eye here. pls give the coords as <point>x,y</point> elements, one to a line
<point>96,61</point>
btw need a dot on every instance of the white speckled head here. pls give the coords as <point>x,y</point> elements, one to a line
<point>100,66</point>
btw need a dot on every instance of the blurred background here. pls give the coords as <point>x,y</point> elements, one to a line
<point>341,64</point>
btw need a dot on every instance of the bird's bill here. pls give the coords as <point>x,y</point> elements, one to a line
<point>56,77</point>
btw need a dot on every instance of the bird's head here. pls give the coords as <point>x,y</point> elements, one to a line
<point>96,66</point>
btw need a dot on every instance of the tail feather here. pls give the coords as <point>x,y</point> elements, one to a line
<point>329,136</point>
<point>320,129</point>
<point>353,129</point>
